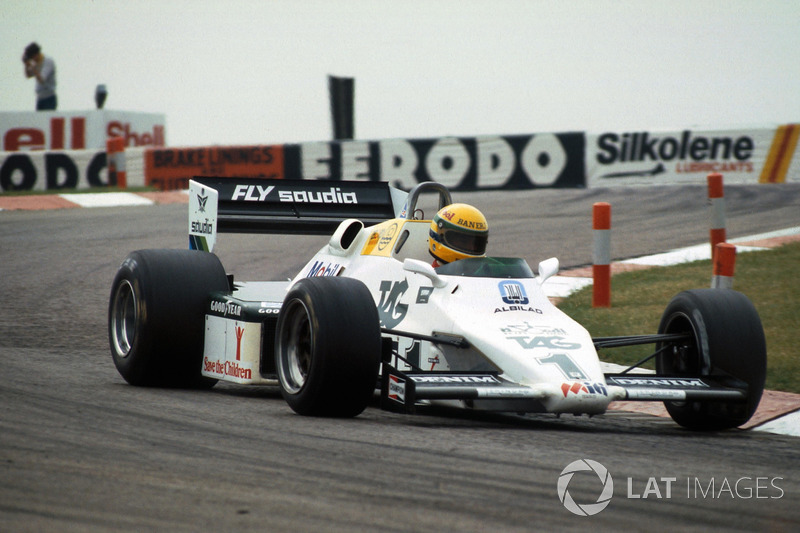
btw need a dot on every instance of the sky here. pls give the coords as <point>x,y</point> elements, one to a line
<point>256,72</point>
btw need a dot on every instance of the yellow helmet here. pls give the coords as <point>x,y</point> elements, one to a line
<point>458,231</point>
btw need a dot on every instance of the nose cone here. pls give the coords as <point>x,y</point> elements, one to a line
<point>512,323</point>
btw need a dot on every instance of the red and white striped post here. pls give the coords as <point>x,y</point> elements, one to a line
<point>716,198</point>
<point>115,156</point>
<point>601,269</point>
<point>724,265</point>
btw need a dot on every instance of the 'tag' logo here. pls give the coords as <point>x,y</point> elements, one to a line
<point>390,310</point>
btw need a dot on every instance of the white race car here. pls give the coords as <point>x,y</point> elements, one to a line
<point>368,312</point>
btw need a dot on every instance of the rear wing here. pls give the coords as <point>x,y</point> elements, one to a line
<point>308,207</point>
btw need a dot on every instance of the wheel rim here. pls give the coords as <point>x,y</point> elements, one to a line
<point>685,358</point>
<point>296,347</point>
<point>123,318</point>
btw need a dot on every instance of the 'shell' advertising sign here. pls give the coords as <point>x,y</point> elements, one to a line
<point>73,130</point>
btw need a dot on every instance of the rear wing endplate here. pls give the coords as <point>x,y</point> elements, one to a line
<point>308,207</point>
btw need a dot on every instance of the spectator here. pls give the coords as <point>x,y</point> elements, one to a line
<point>44,70</point>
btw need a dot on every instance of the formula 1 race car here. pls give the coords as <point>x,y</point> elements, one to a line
<point>369,312</point>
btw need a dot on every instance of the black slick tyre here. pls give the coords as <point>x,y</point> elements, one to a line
<point>156,316</point>
<point>327,347</point>
<point>727,342</point>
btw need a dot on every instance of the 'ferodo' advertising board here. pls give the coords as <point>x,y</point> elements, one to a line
<point>39,171</point>
<point>642,157</point>
<point>469,163</point>
<point>461,163</point>
<point>78,130</point>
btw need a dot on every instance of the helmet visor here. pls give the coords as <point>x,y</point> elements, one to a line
<point>467,243</point>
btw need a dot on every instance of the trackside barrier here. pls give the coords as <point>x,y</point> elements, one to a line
<point>40,170</point>
<point>601,269</point>
<point>52,170</point>
<point>724,264</point>
<point>508,162</point>
<point>134,166</point>
<point>490,162</point>
<point>115,149</point>
<point>766,154</point>
<point>716,198</point>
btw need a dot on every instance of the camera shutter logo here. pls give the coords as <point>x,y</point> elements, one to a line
<point>587,509</point>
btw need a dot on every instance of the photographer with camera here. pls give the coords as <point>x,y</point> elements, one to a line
<point>44,70</point>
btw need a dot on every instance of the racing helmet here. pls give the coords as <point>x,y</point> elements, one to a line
<point>458,231</point>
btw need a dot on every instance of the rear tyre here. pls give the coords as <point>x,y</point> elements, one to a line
<point>156,316</point>
<point>327,347</point>
<point>727,341</point>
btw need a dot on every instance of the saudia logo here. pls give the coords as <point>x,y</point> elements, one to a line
<point>203,228</point>
<point>334,196</point>
<point>258,193</point>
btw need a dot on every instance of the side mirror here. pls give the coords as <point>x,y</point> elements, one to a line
<point>420,267</point>
<point>547,268</point>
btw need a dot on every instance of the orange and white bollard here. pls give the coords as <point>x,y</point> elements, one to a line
<point>601,269</point>
<point>716,198</point>
<point>115,157</point>
<point>724,265</point>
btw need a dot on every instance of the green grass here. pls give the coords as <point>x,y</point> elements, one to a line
<point>768,278</point>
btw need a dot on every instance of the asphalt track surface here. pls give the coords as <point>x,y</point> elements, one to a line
<point>80,450</point>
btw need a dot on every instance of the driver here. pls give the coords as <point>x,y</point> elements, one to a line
<point>458,231</point>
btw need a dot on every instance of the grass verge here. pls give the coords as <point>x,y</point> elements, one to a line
<point>768,278</point>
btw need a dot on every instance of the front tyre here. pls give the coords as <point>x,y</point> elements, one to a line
<point>328,346</point>
<point>727,341</point>
<point>156,316</point>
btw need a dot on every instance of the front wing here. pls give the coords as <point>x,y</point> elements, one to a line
<point>644,387</point>
<point>402,391</point>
